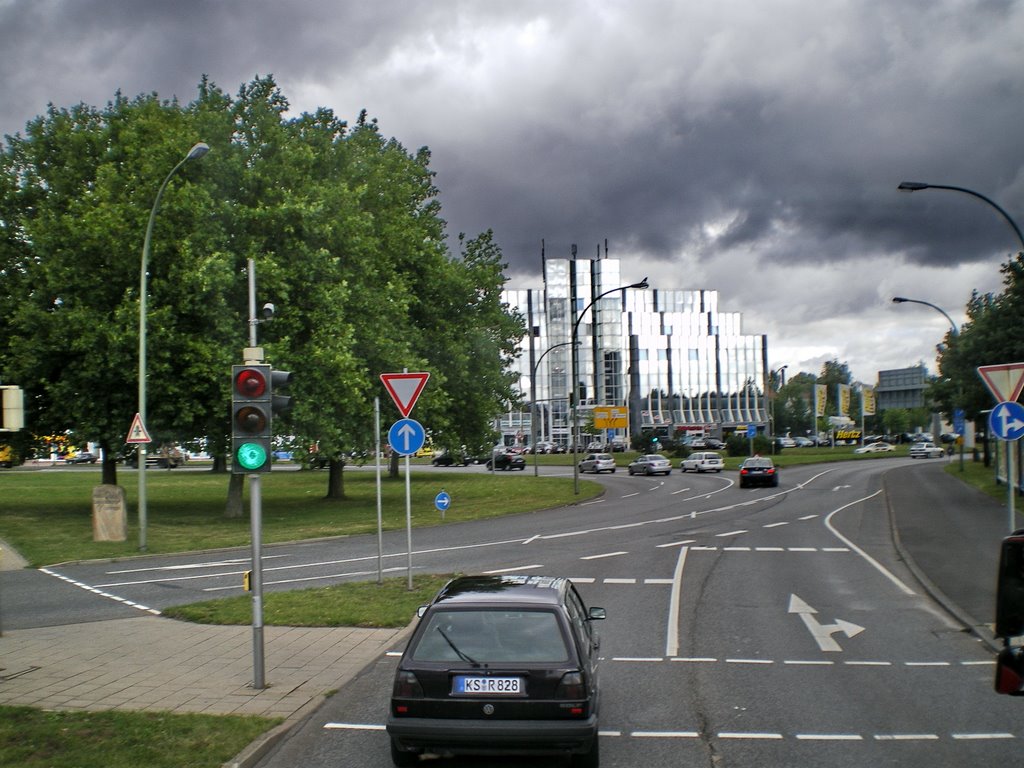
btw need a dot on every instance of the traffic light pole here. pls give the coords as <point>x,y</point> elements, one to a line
<point>255,517</point>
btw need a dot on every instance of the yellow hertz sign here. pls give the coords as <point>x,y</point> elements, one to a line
<point>611,417</point>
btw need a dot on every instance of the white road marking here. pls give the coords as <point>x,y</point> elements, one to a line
<point>672,637</point>
<point>605,554</point>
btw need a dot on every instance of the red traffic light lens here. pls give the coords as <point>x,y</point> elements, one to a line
<point>250,382</point>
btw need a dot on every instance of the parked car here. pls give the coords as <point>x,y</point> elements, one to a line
<point>758,470</point>
<point>651,464</point>
<point>506,461</point>
<point>785,442</point>
<point>803,442</point>
<point>597,463</point>
<point>876,447</point>
<point>499,664</point>
<point>703,461</point>
<point>713,443</point>
<point>926,451</point>
<point>544,447</point>
<point>82,458</point>
<point>448,459</point>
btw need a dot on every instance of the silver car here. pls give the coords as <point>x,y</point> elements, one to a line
<point>651,464</point>
<point>597,462</point>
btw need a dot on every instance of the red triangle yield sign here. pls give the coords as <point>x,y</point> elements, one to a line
<point>404,388</point>
<point>1005,382</point>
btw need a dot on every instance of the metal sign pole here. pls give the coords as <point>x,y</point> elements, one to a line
<point>408,518</point>
<point>380,516</point>
<point>256,518</point>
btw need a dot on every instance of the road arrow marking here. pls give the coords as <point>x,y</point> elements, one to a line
<point>822,633</point>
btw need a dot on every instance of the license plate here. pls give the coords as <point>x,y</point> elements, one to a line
<point>473,685</point>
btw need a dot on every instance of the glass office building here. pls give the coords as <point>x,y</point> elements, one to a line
<point>671,357</point>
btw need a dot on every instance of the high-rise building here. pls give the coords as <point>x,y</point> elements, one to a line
<point>671,357</point>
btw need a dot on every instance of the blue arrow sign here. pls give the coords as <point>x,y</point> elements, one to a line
<point>1007,421</point>
<point>406,436</point>
<point>442,501</point>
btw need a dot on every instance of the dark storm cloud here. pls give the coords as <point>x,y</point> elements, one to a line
<point>704,140</point>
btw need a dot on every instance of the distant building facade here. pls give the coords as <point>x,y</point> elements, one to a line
<point>901,388</point>
<point>671,357</point>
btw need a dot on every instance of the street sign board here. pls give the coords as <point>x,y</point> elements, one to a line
<point>1007,421</point>
<point>1005,381</point>
<point>751,430</point>
<point>442,501</point>
<point>405,388</point>
<point>406,436</point>
<point>137,432</point>
<point>611,417</point>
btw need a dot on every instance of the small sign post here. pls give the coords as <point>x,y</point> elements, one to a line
<point>405,389</point>
<point>1006,421</point>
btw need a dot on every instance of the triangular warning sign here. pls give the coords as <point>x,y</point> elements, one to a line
<point>404,388</point>
<point>138,433</point>
<point>1005,382</point>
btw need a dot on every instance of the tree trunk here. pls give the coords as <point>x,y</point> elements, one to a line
<point>235,508</point>
<point>109,469</point>
<point>336,479</point>
<point>393,466</point>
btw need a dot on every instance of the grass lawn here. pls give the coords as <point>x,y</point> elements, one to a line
<point>47,515</point>
<point>34,738</point>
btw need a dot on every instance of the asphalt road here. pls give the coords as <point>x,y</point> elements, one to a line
<point>770,626</point>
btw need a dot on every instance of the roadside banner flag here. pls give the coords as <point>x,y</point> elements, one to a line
<point>867,401</point>
<point>843,399</point>
<point>820,398</point>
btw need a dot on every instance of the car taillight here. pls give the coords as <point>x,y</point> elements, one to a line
<point>571,686</point>
<point>771,471</point>
<point>744,471</point>
<point>407,686</point>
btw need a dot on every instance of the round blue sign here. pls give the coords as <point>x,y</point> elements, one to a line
<point>406,436</point>
<point>1007,421</point>
<point>442,501</point>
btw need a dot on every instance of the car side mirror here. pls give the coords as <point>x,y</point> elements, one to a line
<point>597,614</point>
<point>421,610</point>
<point>1010,587</point>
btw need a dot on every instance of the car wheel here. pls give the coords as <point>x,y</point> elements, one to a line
<point>403,759</point>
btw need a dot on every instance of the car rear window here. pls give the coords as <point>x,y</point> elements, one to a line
<point>492,635</point>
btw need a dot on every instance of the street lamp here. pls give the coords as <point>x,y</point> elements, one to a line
<point>197,151</point>
<point>955,332</point>
<point>533,403</point>
<point>915,186</point>
<point>572,377</point>
<point>904,300</point>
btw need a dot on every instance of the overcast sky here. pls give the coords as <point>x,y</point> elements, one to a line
<point>747,146</point>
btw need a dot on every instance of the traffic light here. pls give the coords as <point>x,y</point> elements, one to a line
<point>251,416</point>
<point>280,403</point>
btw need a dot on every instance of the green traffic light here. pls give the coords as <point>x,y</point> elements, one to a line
<point>251,456</point>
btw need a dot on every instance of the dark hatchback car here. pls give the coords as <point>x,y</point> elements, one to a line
<point>499,665</point>
<point>758,470</point>
<point>507,461</point>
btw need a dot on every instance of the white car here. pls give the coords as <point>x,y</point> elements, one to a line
<point>597,463</point>
<point>926,451</point>
<point>877,447</point>
<point>702,462</point>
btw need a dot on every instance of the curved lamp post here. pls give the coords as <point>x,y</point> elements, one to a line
<point>915,186</point>
<point>956,332</point>
<point>197,151</point>
<point>533,403</point>
<point>572,378</point>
